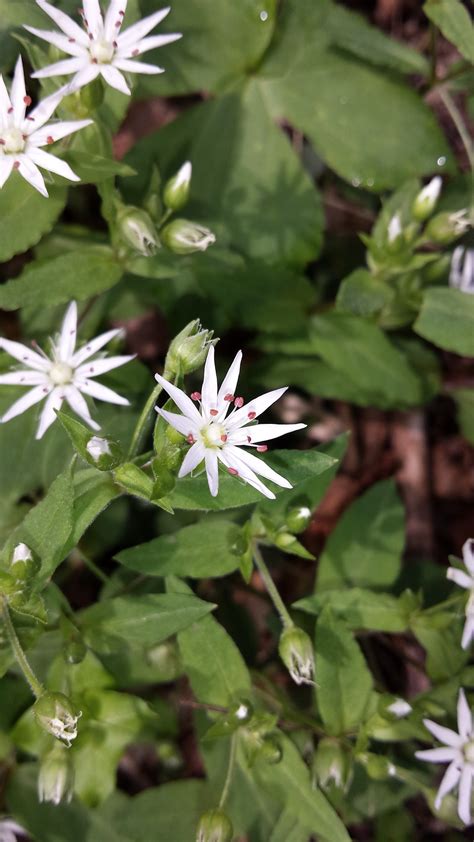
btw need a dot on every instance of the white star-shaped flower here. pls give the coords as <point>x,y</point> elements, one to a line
<point>100,48</point>
<point>461,275</point>
<point>22,137</point>
<point>66,375</point>
<point>466,580</point>
<point>458,751</point>
<point>217,436</point>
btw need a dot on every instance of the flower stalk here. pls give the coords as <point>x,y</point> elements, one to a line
<point>21,659</point>
<point>271,588</point>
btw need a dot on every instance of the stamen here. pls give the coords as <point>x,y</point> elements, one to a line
<point>251,415</point>
<point>16,165</point>
<point>136,53</point>
<point>233,472</point>
<point>249,439</point>
<point>238,402</point>
<point>118,23</point>
<point>224,438</point>
<point>2,142</point>
<point>262,448</point>
<point>94,61</point>
<point>214,412</point>
<point>114,44</point>
<point>190,439</point>
<point>10,110</point>
<point>229,398</point>
<point>121,13</point>
<point>195,396</point>
<point>32,119</point>
<point>27,100</point>
<point>72,40</point>
<point>50,139</point>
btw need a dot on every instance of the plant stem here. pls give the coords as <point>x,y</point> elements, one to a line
<point>271,588</point>
<point>230,771</point>
<point>22,661</point>
<point>142,422</point>
<point>463,132</point>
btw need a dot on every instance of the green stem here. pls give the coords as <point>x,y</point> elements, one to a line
<point>463,132</point>
<point>36,686</point>
<point>271,588</point>
<point>140,429</point>
<point>230,771</point>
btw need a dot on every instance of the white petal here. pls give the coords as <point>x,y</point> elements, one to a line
<point>52,163</point>
<point>6,166</point>
<point>18,92</point>
<point>193,458</point>
<point>94,345</point>
<point>152,43</point>
<point>230,460</point>
<point>181,423</point>
<point>438,755</point>
<point>43,111</point>
<point>101,392</point>
<point>64,22</point>
<point>263,432</point>
<point>468,633</point>
<point>444,735</point>
<point>209,384</point>
<point>87,74</point>
<point>31,174</point>
<point>93,17</point>
<point>25,355</point>
<point>449,781</point>
<point>79,406</point>
<point>67,338</point>
<point>56,131</point>
<point>229,383</point>
<point>464,798</point>
<point>24,378</point>
<point>257,406</point>
<point>212,471</point>
<point>95,367</point>
<point>48,414</point>
<point>129,66</point>
<point>468,555</point>
<point>60,68</point>
<point>464,715</point>
<point>5,102</point>
<point>22,404</point>
<point>181,400</point>
<point>259,466</point>
<point>58,40</point>
<point>114,15</point>
<point>141,28</point>
<point>114,78</point>
<point>461,578</point>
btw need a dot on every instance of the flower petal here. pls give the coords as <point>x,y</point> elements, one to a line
<point>229,383</point>
<point>18,92</point>
<point>464,797</point>
<point>438,755</point>
<point>129,66</point>
<point>444,735</point>
<point>25,355</point>
<point>209,385</point>
<point>467,633</point>
<point>263,432</point>
<point>48,415</point>
<point>212,471</point>
<point>114,15</point>
<point>56,131</point>
<point>43,111</point>
<point>24,378</point>
<point>86,74</point>
<point>93,17</point>
<point>62,42</point>
<point>95,367</point>
<point>461,578</point>
<point>230,460</point>
<point>67,337</point>
<point>94,345</point>
<point>193,458</point>
<point>141,28</point>
<point>31,174</point>
<point>257,406</point>
<point>154,42</point>
<point>5,102</point>
<point>468,555</point>
<point>114,78</point>
<point>101,392</point>
<point>52,164</point>
<point>258,466</point>
<point>64,22</point>
<point>22,404</point>
<point>181,400</point>
<point>6,166</point>
<point>449,781</point>
<point>181,423</point>
<point>464,716</point>
<point>79,406</point>
<point>60,68</point>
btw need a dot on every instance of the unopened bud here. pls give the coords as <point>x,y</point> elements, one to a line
<point>214,826</point>
<point>297,519</point>
<point>189,349</point>
<point>395,232</point>
<point>138,231</point>
<point>332,764</point>
<point>427,198</point>
<point>446,227</point>
<point>185,237</point>
<point>176,192</point>
<point>56,776</point>
<point>296,652</point>
<point>284,540</point>
<point>399,708</point>
<point>57,715</point>
<point>104,454</point>
<point>461,275</point>
<point>23,563</point>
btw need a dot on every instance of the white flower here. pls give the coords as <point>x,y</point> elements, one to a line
<point>97,447</point>
<point>400,708</point>
<point>21,136</point>
<point>394,229</point>
<point>466,580</point>
<point>461,275</point>
<point>100,48</point>
<point>217,436</point>
<point>458,751</point>
<point>10,831</point>
<point>66,375</point>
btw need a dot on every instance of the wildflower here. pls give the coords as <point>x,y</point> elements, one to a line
<point>100,49</point>
<point>458,751</point>
<point>65,375</point>
<point>184,237</point>
<point>176,192</point>
<point>461,275</point>
<point>426,200</point>
<point>22,137</point>
<point>296,652</point>
<point>56,714</point>
<point>466,580</point>
<point>56,776</point>
<point>216,437</point>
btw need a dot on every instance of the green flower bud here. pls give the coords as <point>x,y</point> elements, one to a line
<point>297,519</point>
<point>395,238</point>
<point>214,826</point>
<point>184,237</point>
<point>445,228</point>
<point>138,231</point>
<point>103,454</point>
<point>427,198</point>
<point>378,768</point>
<point>56,776</point>
<point>23,564</point>
<point>57,715</point>
<point>332,764</point>
<point>188,350</point>
<point>283,540</point>
<point>176,192</point>
<point>296,652</point>
<point>270,751</point>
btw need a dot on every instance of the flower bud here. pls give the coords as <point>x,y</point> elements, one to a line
<point>284,540</point>
<point>461,275</point>
<point>425,202</point>
<point>378,767</point>
<point>446,227</point>
<point>57,715</point>
<point>138,231</point>
<point>176,192</point>
<point>332,764</point>
<point>184,237</point>
<point>188,350</point>
<point>104,454</point>
<point>296,652</point>
<point>56,776</point>
<point>270,751</point>
<point>23,563</point>
<point>214,826</point>
<point>297,519</point>
<point>395,233</point>
<point>399,708</point>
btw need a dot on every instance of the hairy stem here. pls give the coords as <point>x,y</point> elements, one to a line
<point>271,588</point>
<point>22,661</point>
<point>230,771</point>
<point>142,423</point>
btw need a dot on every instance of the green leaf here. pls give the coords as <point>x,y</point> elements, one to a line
<point>344,681</point>
<point>360,609</point>
<point>447,319</point>
<point>440,636</point>
<point>455,22</point>
<point>211,660</point>
<point>465,405</point>
<point>145,620</point>
<point>77,274</point>
<point>25,216</point>
<point>92,168</point>
<point>362,295</point>
<point>208,548</point>
<point>366,546</point>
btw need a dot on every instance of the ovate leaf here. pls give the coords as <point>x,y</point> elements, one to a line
<point>447,319</point>
<point>26,215</point>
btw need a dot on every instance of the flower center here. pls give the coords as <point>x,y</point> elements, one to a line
<point>213,435</point>
<point>12,141</point>
<point>60,374</point>
<point>469,752</point>
<point>101,52</point>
